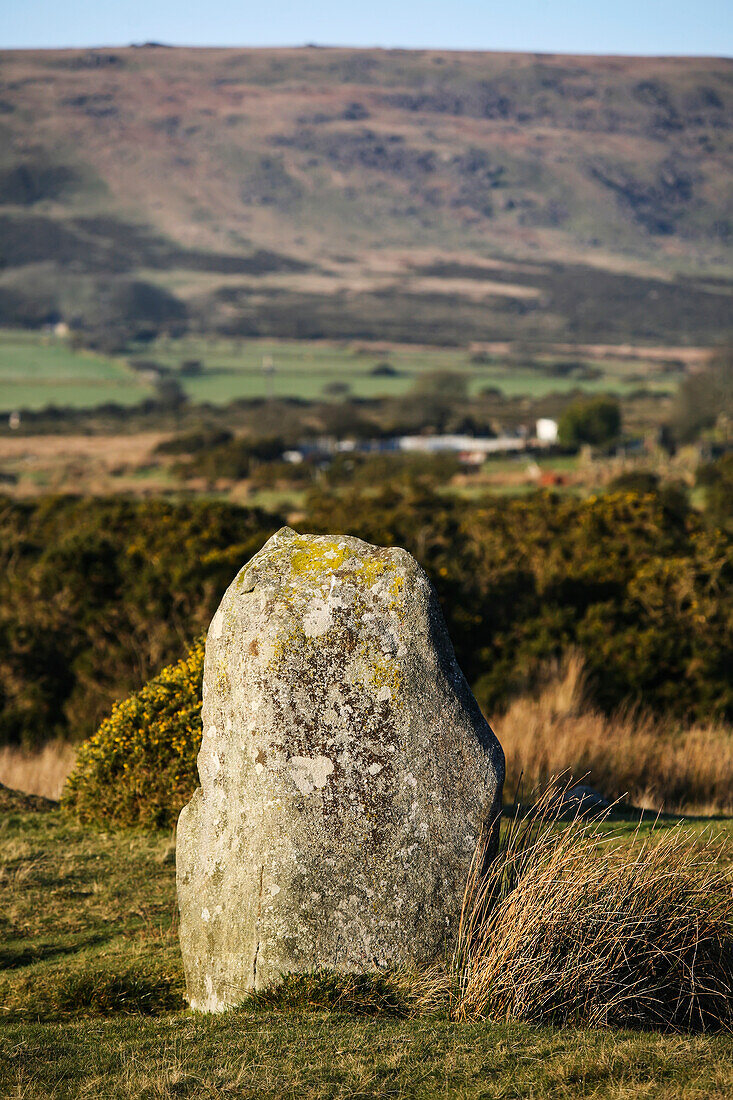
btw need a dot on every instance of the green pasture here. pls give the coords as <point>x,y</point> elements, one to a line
<point>91,1005</point>
<point>305,369</point>
<point>40,369</point>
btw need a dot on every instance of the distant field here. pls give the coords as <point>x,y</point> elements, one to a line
<point>37,370</point>
<point>306,369</point>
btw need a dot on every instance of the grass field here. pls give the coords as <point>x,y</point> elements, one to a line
<point>91,990</point>
<point>280,368</point>
<point>38,369</point>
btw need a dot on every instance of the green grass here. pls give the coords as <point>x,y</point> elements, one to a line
<point>328,1056</point>
<point>276,500</point>
<point>305,368</point>
<point>39,369</point>
<point>91,1005</point>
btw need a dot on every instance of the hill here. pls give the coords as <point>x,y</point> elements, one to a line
<point>404,195</point>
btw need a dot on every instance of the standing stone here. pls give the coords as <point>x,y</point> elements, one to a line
<point>346,773</point>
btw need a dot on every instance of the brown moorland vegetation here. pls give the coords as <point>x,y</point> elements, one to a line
<point>653,763</point>
<point>554,197</point>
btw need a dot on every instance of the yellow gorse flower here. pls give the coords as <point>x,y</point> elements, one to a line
<point>139,768</point>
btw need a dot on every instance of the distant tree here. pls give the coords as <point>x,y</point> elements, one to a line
<point>449,385</point>
<point>594,420</point>
<point>717,478</point>
<point>435,396</point>
<point>703,397</point>
<point>634,481</point>
<point>170,394</point>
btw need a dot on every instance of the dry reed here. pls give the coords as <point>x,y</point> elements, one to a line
<point>570,927</point>
<point>657,764</point>
<point>43,771</point>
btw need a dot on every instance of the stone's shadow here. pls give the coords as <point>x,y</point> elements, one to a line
<point>14,957</point>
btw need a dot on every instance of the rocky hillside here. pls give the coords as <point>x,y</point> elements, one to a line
<point>397,194</point>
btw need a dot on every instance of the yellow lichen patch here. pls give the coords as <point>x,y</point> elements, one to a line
<point>312,558</point>
<point>365,580</point>
<point>368,572</point>
<point>395,593</point>
<point>381,672</point>
<point>222,676</point>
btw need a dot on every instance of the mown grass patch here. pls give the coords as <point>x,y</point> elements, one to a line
<point>89,923</point>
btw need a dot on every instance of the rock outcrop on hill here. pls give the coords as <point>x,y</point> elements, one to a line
<point>346,773</point>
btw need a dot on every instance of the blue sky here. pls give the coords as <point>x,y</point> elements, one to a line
<point>559,26</point>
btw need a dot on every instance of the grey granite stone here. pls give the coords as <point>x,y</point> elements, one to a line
<point>346,773</point>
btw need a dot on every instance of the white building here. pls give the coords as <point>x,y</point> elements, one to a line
<point>546,431</point>
<point>433,444</point>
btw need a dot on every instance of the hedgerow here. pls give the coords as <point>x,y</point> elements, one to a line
<point>139,768</point>
<point>96,595</point>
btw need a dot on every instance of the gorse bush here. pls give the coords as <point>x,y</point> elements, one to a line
<point>717,479</point>
<point>643,592</point>
<point>95,596</point>
<point>139,768</point>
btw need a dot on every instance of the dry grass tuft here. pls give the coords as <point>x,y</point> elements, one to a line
<point>659,766</point>
<point>570,927</point>
<point>42,772</point>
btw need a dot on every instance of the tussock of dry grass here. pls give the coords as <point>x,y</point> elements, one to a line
<point>568,927</point>
<point>42,772</point>
<point>658,766</point>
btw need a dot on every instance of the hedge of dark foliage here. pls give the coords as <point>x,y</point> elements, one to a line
<point>97,595</point>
